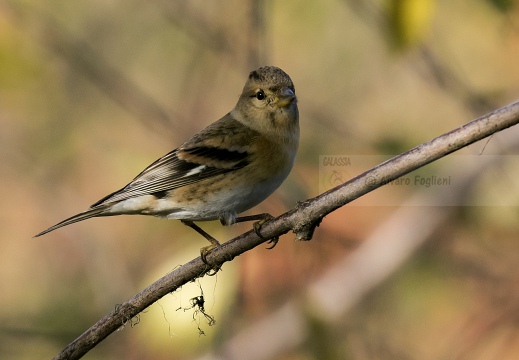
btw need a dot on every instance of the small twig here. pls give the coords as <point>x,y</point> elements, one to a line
<point>303,219</point>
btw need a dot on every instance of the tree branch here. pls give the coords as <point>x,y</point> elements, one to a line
<point>302,220</point>
<point>326,301</point>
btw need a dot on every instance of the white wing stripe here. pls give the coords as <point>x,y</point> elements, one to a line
<point>194,171</point>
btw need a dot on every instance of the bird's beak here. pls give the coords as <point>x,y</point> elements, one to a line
<point>285,97</point>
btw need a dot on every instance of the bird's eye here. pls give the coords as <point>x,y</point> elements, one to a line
<point>260,95</point>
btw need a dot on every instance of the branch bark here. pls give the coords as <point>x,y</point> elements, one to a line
<point>302,220</point>
<point>326,302</point>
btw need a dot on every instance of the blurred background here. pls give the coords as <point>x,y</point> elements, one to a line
<point>91,92</point>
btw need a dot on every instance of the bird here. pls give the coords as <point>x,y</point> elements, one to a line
<point>225,169</point>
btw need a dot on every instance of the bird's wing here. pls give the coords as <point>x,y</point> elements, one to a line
<point>194,161</point>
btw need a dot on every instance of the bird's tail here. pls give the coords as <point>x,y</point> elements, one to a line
<point>97,211</point>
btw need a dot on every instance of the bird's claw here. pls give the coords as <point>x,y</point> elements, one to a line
<point>257,227</point>
<point>206,250</point>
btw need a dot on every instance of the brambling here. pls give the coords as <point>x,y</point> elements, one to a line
<point>227,168</point>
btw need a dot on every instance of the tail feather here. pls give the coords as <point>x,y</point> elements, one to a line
<point>73,219</point>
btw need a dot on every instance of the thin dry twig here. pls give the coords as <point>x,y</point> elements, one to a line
<point>302,220</point>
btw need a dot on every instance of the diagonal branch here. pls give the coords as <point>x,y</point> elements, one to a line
<point>302,220</point>
<point>328,299</point>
